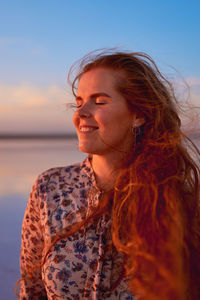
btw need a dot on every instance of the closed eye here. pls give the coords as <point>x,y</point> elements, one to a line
<point>100,101</point>
<point>95,100</point>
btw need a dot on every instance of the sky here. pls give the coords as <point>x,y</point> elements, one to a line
<point>41,39</point>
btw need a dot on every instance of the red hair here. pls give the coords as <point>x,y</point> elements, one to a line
<point>155,209</point>
<point>155,201</point>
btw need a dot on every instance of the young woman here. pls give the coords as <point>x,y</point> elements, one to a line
<point>124,223</point>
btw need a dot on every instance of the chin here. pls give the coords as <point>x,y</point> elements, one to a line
<point>89,149</point>
<point>85,148</point>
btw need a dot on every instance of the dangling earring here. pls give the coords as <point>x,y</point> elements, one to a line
<point>135,130</point>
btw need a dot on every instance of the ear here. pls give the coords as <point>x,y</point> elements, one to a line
<point>137,121</point>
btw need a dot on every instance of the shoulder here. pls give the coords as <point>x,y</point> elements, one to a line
<point>60,171</point>
<point>60,176</point>
<point>57,173</point>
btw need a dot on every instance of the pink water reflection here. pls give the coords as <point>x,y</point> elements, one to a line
<point>21,162</point>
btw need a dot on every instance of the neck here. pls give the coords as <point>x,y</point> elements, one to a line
<point>105,169</point>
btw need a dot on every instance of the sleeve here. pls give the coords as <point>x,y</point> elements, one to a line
<point>32,244</point>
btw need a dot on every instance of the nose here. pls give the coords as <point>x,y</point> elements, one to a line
<point>84,111</point>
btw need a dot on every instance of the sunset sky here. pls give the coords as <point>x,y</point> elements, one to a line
<point>40,40</point>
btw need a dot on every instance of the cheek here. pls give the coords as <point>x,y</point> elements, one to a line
<point>104,120</point>
<point>119,120</point>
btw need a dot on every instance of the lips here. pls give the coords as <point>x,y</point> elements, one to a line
<point>86,128</point>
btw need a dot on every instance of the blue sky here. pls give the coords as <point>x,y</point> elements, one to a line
<point>39,40</point>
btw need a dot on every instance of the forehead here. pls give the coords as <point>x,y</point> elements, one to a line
<point>98,80</point>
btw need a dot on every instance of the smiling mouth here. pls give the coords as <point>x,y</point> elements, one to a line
<point>87,128</point>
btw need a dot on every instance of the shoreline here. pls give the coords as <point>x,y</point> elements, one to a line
<point>61,136</point>
<point>36,136</point>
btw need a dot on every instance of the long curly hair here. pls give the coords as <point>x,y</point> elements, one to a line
<point>156,197</point>
<point>155,202</point>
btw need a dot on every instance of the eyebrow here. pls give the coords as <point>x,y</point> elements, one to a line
<point>95,95</point>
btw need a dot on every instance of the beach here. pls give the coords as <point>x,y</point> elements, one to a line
<point>21,161</point>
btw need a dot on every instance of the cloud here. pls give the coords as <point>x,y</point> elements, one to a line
<point>194,88</point>
<point>188,93</point>
<point>23,95</point>
<point>188,90</point>
<point>29,108</point>
<point>26,107</point>
<point>29,96</point>
<point>193,81</point>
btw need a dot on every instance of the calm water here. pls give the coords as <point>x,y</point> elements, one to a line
<point>20,164</point>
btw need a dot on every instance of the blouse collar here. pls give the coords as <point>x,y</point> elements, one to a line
<point>86,166</point>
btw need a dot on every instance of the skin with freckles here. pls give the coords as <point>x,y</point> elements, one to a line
<point>103,121</point>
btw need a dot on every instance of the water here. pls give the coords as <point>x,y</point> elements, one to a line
<point>20,163</point>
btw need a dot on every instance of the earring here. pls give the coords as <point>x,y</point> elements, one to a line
<point>135,130</point>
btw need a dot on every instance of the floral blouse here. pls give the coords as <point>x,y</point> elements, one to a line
<point>81,266</point>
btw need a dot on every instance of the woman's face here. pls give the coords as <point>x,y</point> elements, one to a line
<point>102,118</point>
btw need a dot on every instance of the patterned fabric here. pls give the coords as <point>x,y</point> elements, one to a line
<point>82,266</point>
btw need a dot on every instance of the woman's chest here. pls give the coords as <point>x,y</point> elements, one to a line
<point>84,266</point>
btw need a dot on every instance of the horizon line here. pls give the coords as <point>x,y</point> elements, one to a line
<point>7,136</point>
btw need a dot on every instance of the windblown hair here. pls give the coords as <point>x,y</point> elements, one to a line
<point>155,203</point>
<point>156,199</point>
